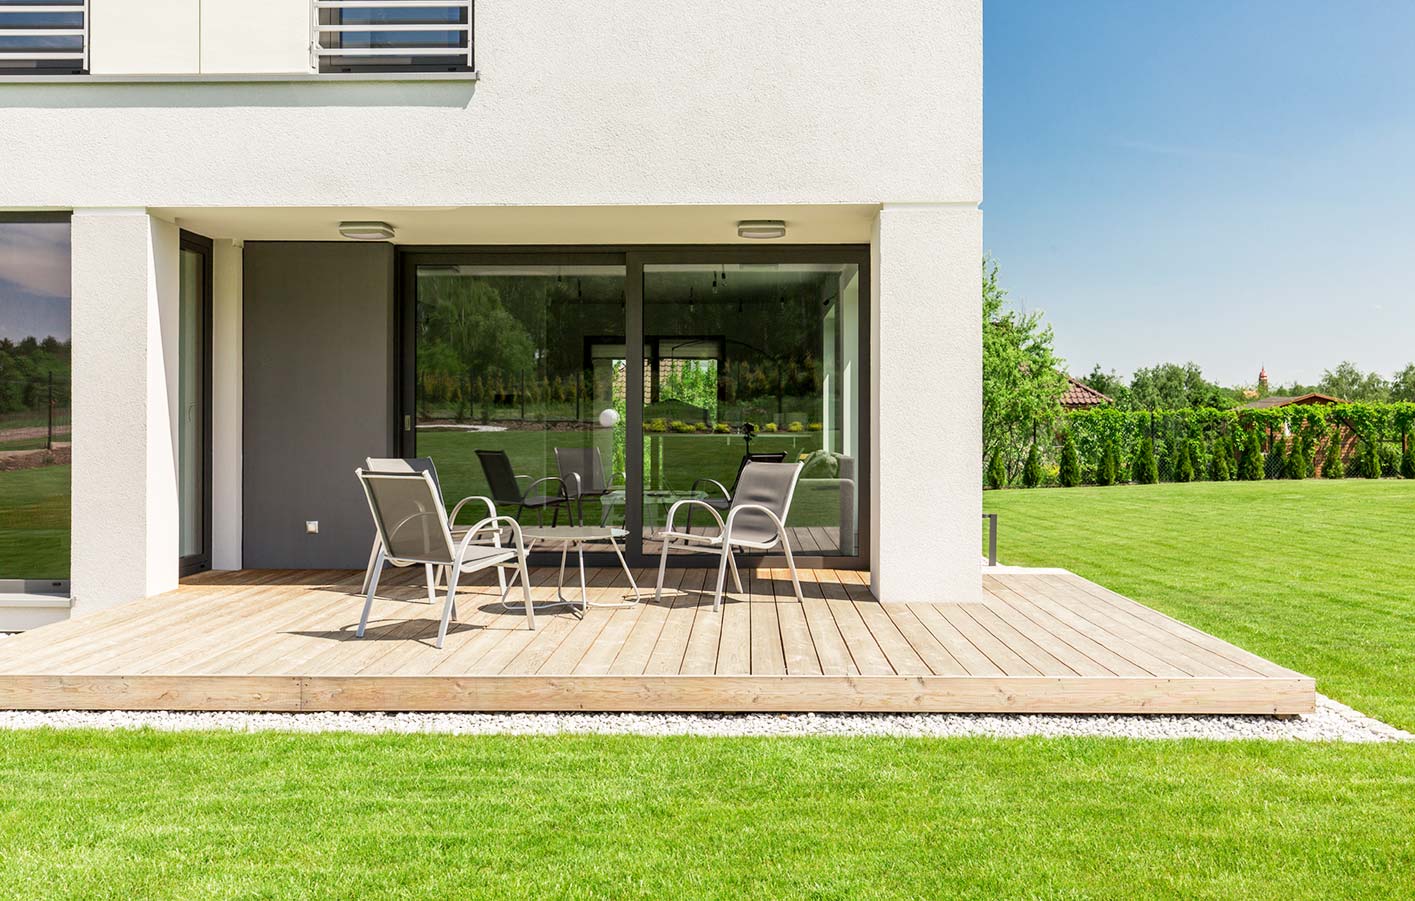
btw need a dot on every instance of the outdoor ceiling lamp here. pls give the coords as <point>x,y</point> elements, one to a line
<point>761,229</point>
<point>366,231</point>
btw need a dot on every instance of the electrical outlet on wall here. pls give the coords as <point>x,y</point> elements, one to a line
<point>311,527</point>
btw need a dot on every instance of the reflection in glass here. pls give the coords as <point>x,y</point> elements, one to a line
<point>520,388</point>
<point>35,354</point>
<point>754,361</point>
<point>191,434</point>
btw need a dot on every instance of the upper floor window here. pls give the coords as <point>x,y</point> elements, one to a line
<point>43,37</point>
<point>401,35</point>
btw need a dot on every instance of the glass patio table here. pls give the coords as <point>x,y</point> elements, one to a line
<point>575,537</point>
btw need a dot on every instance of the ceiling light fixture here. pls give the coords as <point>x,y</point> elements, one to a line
<point>761,229</point>
<point>366,231</point>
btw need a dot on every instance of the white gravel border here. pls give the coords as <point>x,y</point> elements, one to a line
<point>1331,722</point>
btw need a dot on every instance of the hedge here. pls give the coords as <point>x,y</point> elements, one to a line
<point>1371,440</point>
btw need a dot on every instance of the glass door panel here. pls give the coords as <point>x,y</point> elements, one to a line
<point>753,359</point>
<point>520,388</point>
<point>193,402</point>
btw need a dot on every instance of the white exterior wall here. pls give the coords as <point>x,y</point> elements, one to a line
<point>227,374</point>
<point>609,109</point>
<point>632,102</point>
<point>926,404</point>
<point>125,305</point>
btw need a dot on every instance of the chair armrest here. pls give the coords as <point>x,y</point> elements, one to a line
<point>490,506</point>
<point>673,511</point>
<point>756,508</point>
<point>578,486</point>
<point>530,487</point>
<point>726,495</point>
<point>490,525</point>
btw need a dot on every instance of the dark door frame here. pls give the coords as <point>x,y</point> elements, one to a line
<point>190,241</point>
<point>633,258</point>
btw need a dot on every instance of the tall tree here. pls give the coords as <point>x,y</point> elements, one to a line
<point>1402,387</point>
<point>1348,382</point>
<point>1170,386</point>
<point>1110,384</point>
<point>1022,380</point>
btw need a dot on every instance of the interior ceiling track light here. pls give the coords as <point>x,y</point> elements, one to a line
<point>761,229</point>
<point>366,231</point>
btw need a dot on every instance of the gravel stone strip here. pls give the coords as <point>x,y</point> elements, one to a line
<point>1331,722</point>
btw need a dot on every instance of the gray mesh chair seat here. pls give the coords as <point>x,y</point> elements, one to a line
<point>419,465</point>
<point>756,520</point>
<point>725,501</point>
<point>413,529</point>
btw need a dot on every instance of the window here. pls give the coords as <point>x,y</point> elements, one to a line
<point>34,404</point>
<point>404,36</point>
<point>43,37</point>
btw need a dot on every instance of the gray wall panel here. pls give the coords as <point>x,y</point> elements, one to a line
<point>319,397</point>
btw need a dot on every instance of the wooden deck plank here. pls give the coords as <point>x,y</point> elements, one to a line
<point>284,641</point>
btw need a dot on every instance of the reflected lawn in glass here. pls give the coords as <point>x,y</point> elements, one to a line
<point>34,523</point>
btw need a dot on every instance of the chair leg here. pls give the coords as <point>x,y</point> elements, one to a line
<point>526,594</point>
<point>376,571</point>
<point>721,576</point>
<point>451,603</point>
<point>662,568</point>
<point>431,583</point>
<point>736,578</point>
<point>791,564</point>
<point>372,555</point>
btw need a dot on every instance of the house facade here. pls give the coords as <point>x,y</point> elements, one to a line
<point>300,233</point>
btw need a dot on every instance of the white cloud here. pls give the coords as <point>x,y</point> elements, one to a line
<point>34,257</point>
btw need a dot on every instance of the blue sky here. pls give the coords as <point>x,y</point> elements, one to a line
<point>1231,183</point>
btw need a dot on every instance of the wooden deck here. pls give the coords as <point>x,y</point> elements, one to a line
<point>1043,641</point>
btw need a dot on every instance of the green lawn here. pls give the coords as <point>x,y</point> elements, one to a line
<point>1318,576</point>
<point>1309,574</point>
<point>152,815</point>
<point>34,523</point>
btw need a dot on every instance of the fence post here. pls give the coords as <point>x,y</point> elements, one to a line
<point>49,441</point>
<point>523,395</point>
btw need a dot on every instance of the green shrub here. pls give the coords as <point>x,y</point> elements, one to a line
<point>1032,469</point>
<point>1108,471</point>
<point>1146,470</point>
<point>769,427</point>
<point>656,425</point>
<point>997,473</point>
<point>1332,467</point>
<point>1407,460</point>
<point>1389,453</point>
<point>679,425</point>
<point>1070,474</point>
<point>1220,467</point>
<point>814,427</point>
<point>1296,466</point>
<point>722,428</point>
<point>1185,470</point>
<point>1368,460</point>
<point>1250,462</point>
<point>795,426</point>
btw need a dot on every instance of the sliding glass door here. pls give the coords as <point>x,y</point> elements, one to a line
<point>194,404</point>
<point>600,387</point>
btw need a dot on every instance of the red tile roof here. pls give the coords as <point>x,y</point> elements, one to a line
<point>1301,400</point>
<point>1080,396</point>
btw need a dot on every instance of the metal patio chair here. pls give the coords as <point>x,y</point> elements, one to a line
<point>506,487</point>
<point>421,464</point>
<point>413,529</point>
<point>724,503</point>
<point>582,471</point>
<point>756,520</point>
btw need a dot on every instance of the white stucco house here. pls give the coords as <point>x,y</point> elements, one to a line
<point>299,233</point>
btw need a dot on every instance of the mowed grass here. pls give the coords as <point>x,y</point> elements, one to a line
<point>154,815</point>
<point>34,523</point>
<point>1316,575</point>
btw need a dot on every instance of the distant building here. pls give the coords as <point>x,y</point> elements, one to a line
<point>1080,396</point>
<point>1263,381</point>
<point>1301,400</point>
